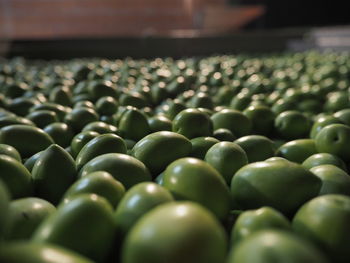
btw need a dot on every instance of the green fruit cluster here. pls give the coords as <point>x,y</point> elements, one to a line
<point>235,158</point>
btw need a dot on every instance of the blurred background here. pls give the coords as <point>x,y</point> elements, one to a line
<point>148,28</point>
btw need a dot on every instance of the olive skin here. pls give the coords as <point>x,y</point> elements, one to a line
<point>195,180</point>
<point>84,225</point>
<point>53,173</point>
<point>313,221</point>
<point>27,140</point>
<point>251,221</point>
<point>29,252</point>
<point>226,158</point>
<point>124,168</point>
<point>100,183</point>
<point>275,245</point>
<point>25,215</point>
<point>15,176</point>
<point>159,149</point>
<point>139,200</point>
<point>105,143</point>
<point>10,151</point>
<point>266,184</point>
<point>194,236</point>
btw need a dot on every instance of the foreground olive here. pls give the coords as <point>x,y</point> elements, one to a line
<point>298,150</point>
<point>325,221</point>
<point>10,151</point>
<point>60,132</point>
<point>159,149</point>
<point>193,123</point>
<point>201,145</point>
<point>79,117</point>
<point>15,176</point>
<point>275,246</point>
<point>105,143</point>
<point>226,158</point>
<point>84,225</point>
<point>195,180</point>
<point>81,139</point>
<point>334,139</point>
<point>27,140</point>
<point>4,208</point>
<point>25,215</point>
<point>292,125</point>
<point>257,147</point>
<point>234,120</point>
<point>322,122</point>
<point>324,158</point>
<point>139,200</point>
<point>252,221</point>
<point>262,119</point>
<point>100,183</point>
<point>133,124</point>
<point>29,252</point>
<point>53,173</point>
<point>126,169</point>
<point>266,184</point>
<point>334,180</point>
<point>176,232</point>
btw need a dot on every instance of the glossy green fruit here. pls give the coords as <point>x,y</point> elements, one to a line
<point>53,173</point>
<point>176,232</point>
<point>8,150</point>
<point>42,118</point>
<point>100,183</point>
<point>84,225</point>
<point>25,215</point>
<point>275,246</point>
<point>334,139</point>
<point>133,124</point>
<point>234,120</point>
<point>102,144</point>
<point>15,176</point>
<point>139,200</point>
<point>29,163</point>
<point>298,150</point>
<point>61,95</point>
<point>325,221</point>
<point>324,158</point>
<point>322,122</point>
<point>193,123</point>
<point>292,125</point>
<point>226,158</point>
<point>82,138</point>
<point>4,208</point>
<point>195,180</point>
<point>266,184</point>
<point>124,168</point>
<point>343,116</point>
<point>251,221</point>
<point>14,120</point>
<point>262,119</point>
<point>27,140</point>
<point>60,132</point>
<point>106,106</point>
<point>159,123</point>
<point>257,147</point>
<point>29,252</point>
<point>79,117</point>
<point>201,145</point>
<point>100,127</point>
<point>157,150</point>
<point>224,135</point>
<point>334,180</point>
